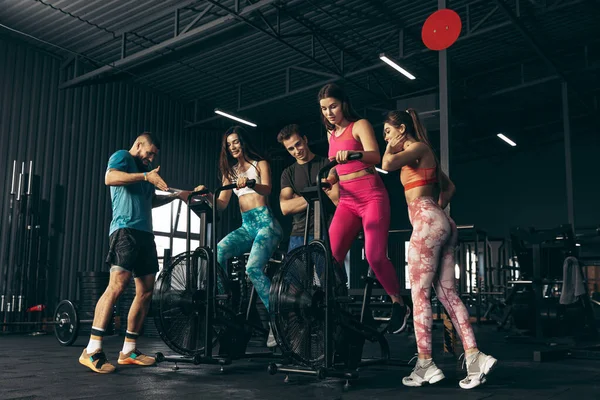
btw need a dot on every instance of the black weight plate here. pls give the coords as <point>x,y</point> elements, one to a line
<point>66,326</point>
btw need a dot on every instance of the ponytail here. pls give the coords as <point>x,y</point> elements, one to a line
<point>421,135</point>
<point>419,129</point>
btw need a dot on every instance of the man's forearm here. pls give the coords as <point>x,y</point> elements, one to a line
<point>120,178</point>
<point>161,200</point>
<point>293,206</point>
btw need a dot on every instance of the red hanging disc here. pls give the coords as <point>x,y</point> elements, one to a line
<point>441,29</point>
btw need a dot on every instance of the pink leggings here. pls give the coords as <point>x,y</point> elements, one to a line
<point>431,261</point>
<point>364,202</point>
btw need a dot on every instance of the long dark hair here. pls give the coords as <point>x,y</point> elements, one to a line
<point>414,127</point>
<point>226,160</point>
<point>337,92</point>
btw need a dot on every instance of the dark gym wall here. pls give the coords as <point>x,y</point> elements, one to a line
<point>69,135</point>
<point>528,188</point>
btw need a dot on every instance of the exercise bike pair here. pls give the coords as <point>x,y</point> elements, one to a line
<point>311,316</point>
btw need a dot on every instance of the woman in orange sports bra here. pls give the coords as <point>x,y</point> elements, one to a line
<point>431,250</point>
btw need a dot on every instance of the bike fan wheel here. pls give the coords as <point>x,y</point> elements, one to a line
<point>179,302</point>
<point>297,302</point>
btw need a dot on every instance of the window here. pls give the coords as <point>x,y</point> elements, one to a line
<point>180,208</point>
<point>179,245</point>
<point>167,236</point>
<point>162,243</point>
<point>161,219</point>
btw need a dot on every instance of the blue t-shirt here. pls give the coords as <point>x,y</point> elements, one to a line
<point>131,204</point>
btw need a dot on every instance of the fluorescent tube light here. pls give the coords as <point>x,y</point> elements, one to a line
<point>507,140</point>
<point>233,117</point>
<point>394,65</point>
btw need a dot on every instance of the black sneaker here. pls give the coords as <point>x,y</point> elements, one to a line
<point>399,317</point>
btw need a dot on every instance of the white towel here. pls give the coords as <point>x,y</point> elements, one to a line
<point>573,284</point>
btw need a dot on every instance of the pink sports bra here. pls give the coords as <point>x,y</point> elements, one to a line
<point>346,141</point>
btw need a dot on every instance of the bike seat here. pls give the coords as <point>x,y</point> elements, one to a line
<point>277,257</point>
<point>310,193</point>
<point>239,263</point>
<point>202,205</point>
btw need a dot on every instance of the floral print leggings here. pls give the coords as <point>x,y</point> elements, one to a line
<point>431,262</point>
<point>260,233</point>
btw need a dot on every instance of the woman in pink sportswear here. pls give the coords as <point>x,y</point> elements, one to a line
<point>364,201</point>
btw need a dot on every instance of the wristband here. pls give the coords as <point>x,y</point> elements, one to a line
<point>145,176</point>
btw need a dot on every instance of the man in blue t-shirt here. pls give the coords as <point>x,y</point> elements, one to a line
<point>132,251</point>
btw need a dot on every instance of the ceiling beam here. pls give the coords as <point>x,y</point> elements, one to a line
<point>140,23</point>
<point>156,51</point>
<point>290,93</point>
<point>537,47</point>
<point>278,38</point>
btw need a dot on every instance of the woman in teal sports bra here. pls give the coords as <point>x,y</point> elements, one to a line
<point>260,232</point>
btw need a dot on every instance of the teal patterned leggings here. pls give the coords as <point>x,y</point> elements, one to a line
<point>260,233</point>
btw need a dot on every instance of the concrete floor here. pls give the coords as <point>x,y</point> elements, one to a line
<point>36,367</point>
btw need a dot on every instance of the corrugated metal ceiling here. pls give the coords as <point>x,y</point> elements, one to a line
<point>235,55</point>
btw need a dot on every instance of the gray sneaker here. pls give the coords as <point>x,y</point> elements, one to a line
<point>425,371</point>
<point>478,367</point>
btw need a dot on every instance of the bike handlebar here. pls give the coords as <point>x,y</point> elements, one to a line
<point>250,183</point>
<point>333,163</point>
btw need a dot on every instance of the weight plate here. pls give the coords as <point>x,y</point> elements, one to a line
<point>66,320</point>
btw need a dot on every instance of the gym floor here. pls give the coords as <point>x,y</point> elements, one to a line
<point>38,367</point>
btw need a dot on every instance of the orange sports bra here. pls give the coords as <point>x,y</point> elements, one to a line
<point>414,177</point>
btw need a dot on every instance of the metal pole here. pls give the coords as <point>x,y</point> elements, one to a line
<point>478,276</point>
<point>463,269</point>
<point>444,108</point>
<point>568,164</point>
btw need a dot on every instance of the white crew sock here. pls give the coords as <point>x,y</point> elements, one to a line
<point>130,342</point>
<point>95,342</point>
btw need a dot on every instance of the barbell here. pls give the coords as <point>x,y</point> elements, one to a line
<point>66,323</point>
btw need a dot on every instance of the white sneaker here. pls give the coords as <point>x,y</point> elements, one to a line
<point>425,371</point>
<point>271,341</point>
<point>479,366</point>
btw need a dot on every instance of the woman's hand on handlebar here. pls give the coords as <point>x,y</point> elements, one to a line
<point>342,156</point>
<point>241,182</point>
<point>199,188</point>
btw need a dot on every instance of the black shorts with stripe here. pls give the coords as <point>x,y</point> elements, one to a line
<point>133,250</point>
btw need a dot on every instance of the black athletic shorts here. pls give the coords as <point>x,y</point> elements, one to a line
<point>133,250</point>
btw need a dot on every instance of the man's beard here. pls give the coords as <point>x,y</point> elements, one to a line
<point>141,166</point>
